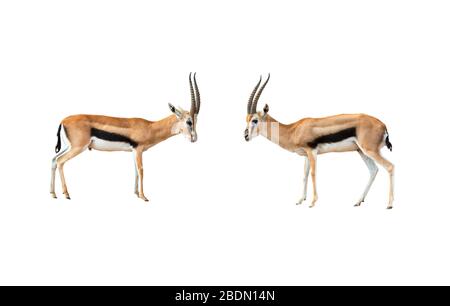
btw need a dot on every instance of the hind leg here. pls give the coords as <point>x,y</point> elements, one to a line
<point>54,166</point>
<point>376,156</point>
<point>60,161</point>
<point>373,170</point>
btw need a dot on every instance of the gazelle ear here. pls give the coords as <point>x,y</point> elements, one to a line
<point>174,110</point>
<point>266,109</point>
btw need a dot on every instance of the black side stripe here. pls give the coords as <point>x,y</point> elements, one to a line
<point>336,137</point>
<point>112,137</point>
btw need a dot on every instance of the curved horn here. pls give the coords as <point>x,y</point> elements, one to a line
<point>250,100</point>
<point>197,96</point>
<point>255,102</point>
<point>192,96</point>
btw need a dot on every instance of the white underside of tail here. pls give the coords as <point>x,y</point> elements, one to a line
<point>65,143</point>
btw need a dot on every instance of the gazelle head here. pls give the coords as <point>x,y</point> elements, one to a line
<point>187,120</point>
<point>256,121</point>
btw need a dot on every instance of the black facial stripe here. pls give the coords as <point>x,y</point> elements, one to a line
<point>112,137</point>
<point>336,137</point>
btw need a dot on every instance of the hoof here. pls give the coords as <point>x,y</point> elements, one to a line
<point>389,207</point>
<point>143,198</point>
<point>313,203</point>
<point>359,203</point>
<point>300,202</point>
<point>67,196</point>
<point>53,195</point>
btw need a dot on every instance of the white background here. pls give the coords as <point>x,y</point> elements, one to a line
<point>222,211</point>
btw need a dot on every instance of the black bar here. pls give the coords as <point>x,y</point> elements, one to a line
<point>234,295</point>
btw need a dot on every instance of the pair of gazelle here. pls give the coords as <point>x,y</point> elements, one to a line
<point>307,137</point>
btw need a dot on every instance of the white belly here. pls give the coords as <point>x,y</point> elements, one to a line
<point>348,144</point>
<point>104,145</point>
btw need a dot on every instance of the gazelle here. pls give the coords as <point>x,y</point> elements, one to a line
<point>81,132</point>
<point>312,136</point>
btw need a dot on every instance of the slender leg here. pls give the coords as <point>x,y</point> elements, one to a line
<point>140,170</point>
<point>136,176</point>
<point>61,160</point>
<point>376,156</point>
<point>305,181</point>
<point>54,166</point>
<point>373,170</point>
<point>312,156</point>
<point>52,181</point>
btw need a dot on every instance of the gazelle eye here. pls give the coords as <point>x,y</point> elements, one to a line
<point>255,121</point>
<point>189,122</point>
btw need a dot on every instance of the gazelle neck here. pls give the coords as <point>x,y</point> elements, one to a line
<point>164,129</point>
<point>277,132</point>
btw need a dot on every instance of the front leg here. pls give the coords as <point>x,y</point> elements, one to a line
<point>312,157</point>
<point>136,179</point>
<point>305,181</point>
<point>140,170</point>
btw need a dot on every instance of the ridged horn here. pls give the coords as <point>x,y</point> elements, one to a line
<point>255,102</point>
<point>250,100</point>
<point>197,95</point>
<point>193,107</point>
